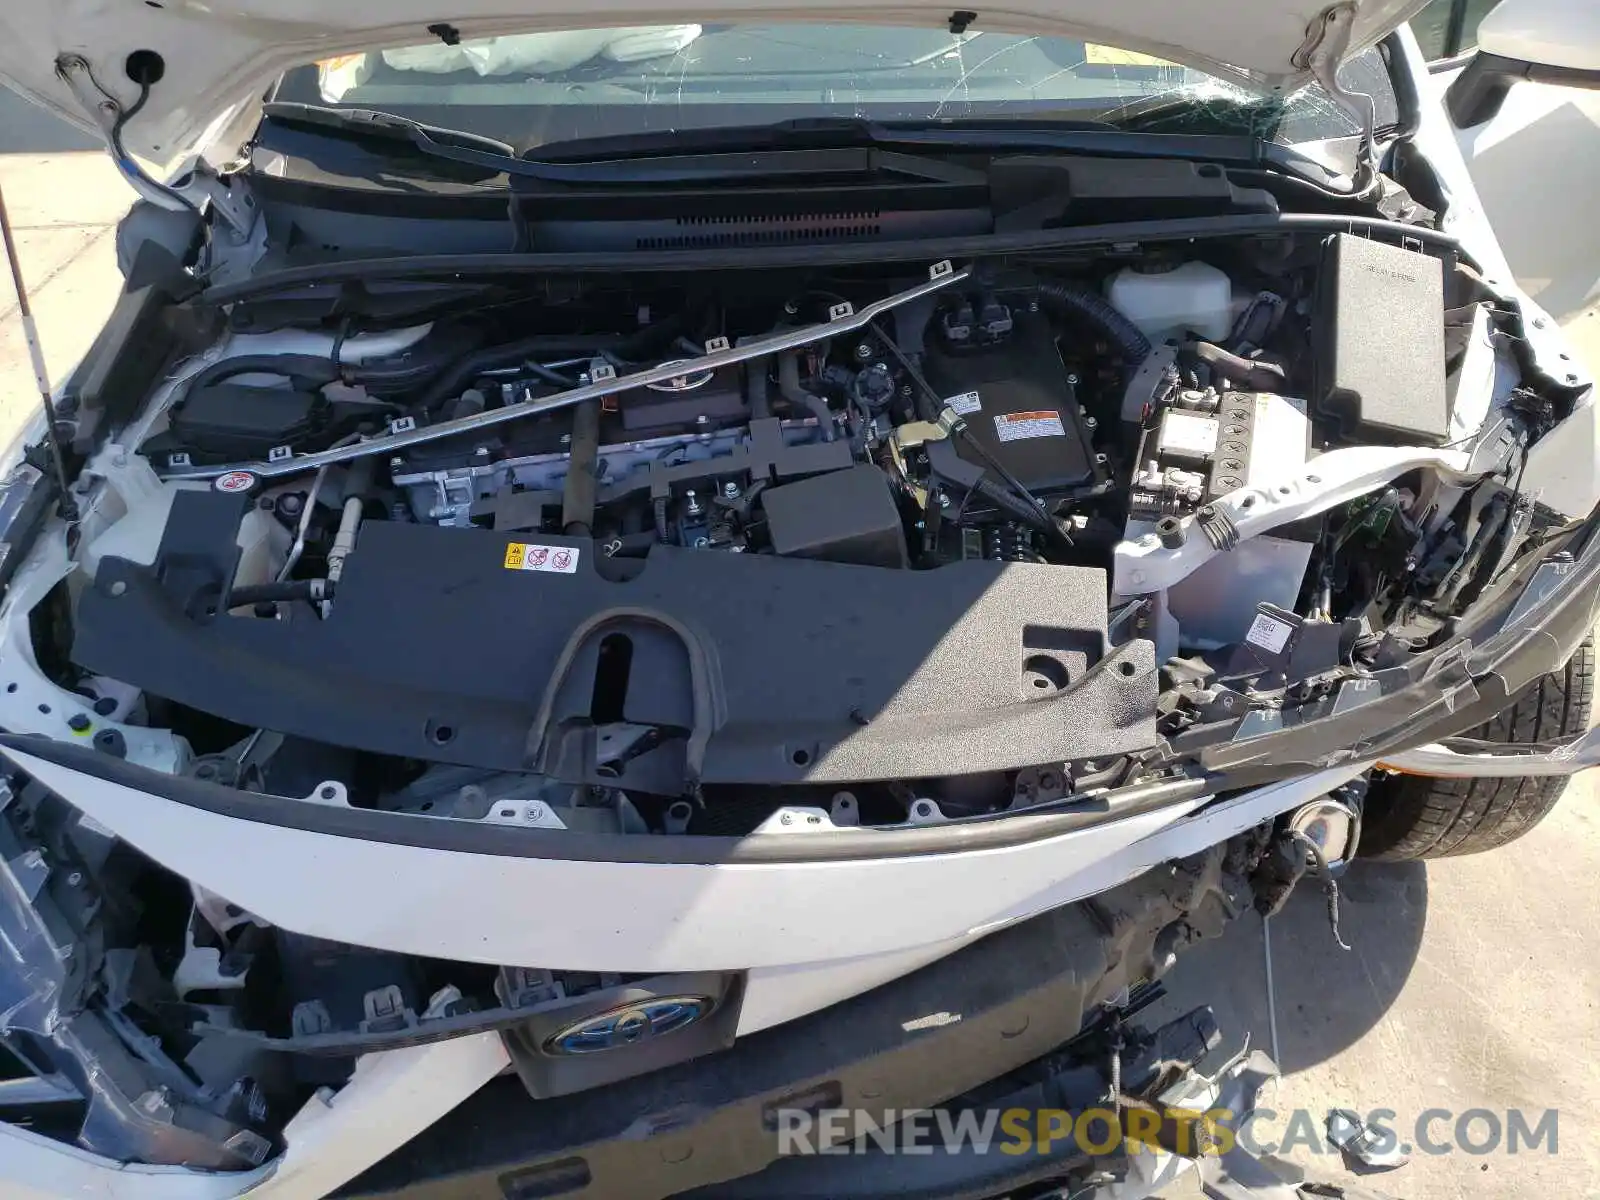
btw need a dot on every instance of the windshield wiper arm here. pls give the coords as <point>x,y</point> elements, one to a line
<point>471,149</point>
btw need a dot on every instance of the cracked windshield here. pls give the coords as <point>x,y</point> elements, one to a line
<point>538,89</point>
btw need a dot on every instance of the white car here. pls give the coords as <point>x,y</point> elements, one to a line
<point>607,585</point>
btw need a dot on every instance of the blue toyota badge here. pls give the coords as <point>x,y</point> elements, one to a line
<point>627,1025</point>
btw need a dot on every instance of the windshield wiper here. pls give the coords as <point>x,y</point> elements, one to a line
<point>450,145</point>
<point>981,134</point>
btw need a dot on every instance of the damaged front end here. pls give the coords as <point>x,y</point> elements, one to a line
<point>517,723</point>
<point>114,1048</point>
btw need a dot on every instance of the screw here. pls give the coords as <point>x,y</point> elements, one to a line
<point>944,500</point>
<point>396,463</point>
<point>863,351</point>
<point>74,879</point>
<point>786,819</point>
<point>1072,380</point>
<point>1091,424</point>
<point>79,722</point>
<point>118,588</point>
<point>730,490</point>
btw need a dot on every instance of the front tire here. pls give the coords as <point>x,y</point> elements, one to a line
<point>1415,817</point>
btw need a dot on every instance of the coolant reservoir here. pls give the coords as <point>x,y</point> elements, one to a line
<point>1171,302</point>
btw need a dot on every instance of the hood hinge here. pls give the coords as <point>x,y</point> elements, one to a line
<point>1327,42</point>
<point>197,188</point>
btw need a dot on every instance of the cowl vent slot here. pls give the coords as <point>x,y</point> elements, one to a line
<point>764,230</point>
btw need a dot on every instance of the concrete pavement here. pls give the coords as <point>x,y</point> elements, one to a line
<point>1471,983</point>
<point>64,198</point>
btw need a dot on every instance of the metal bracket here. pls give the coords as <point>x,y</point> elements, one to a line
<point>530,814</point>
<point>1327,42</point>
<point>194,188</point>
<point>331,793</point>
<point>797,819</point>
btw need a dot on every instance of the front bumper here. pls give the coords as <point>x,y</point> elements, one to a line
<point>450,1128</point>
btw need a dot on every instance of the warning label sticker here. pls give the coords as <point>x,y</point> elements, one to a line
<point>1014,427</point>
<point>1269,633</point>
<point>528,556</point>
<point>966,404</point>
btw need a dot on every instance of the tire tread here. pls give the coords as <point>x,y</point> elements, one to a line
<point>1412,817</point>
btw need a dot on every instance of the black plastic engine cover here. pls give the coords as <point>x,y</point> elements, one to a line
<point>446,645</point>
<point>1018,403</point>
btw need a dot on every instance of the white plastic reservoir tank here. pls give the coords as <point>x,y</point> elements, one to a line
<point>1168,303</point>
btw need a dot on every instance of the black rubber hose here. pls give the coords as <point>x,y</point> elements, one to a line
<point>789,387</point>
<point>1252,372</point>
<point>1090,306</point>
<point>305,370</point>
<point>1003,497</point>
<point>454,378</point>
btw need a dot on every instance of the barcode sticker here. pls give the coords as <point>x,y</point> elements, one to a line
<point>1014,427</point>
<point>966,404</point>
<point>526,556</point>
<point>1269,633</point>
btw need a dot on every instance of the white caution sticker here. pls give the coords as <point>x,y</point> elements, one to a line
<point>1014,427</point>
<point>1269,633</point>
<point>966,404</point>
<point>528,556</point>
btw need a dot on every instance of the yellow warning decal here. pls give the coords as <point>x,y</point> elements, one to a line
<point>531,556</point>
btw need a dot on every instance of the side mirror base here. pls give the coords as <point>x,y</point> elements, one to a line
<point>1478,93</point>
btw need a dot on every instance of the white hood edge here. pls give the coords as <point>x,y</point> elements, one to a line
<point>219,54</point>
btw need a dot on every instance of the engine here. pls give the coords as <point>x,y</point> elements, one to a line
<point>828,451</point>
<point>997,414</point>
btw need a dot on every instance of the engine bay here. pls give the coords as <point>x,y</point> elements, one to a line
<point>690,553</point>
<point>690,564</point>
